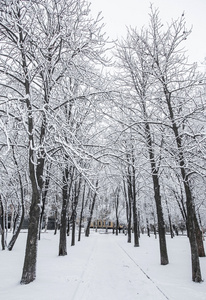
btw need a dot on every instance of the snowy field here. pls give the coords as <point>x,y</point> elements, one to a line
<point>103,266</point>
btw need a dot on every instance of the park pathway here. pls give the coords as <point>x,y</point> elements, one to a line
<point>110,273</point>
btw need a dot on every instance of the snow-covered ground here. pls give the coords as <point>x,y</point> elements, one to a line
<point>101,267</point>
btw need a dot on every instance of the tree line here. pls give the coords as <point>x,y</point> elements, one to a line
<point>78,139</point>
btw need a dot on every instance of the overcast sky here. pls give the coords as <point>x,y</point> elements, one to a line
<point>119,13</point>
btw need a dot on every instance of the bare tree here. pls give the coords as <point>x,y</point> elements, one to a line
<point>164,84</point>
<point>41,43</point>
<point>133,62</point>
<point>168,65</point>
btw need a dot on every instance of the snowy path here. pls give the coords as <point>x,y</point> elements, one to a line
<point>110,273</point>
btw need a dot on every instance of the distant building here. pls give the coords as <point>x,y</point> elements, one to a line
<point>103,224</point>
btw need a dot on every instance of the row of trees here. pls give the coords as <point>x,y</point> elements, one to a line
<point>74,138</point>
<point>49,80</point>
<point>163,97</point>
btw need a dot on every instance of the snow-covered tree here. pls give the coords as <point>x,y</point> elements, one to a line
<point>41,44</point>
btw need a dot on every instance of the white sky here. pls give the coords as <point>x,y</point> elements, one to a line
<point>119,13</point>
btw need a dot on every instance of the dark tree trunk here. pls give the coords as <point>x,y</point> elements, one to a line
<point>29,269</point>
<point>182,209</point>
<point>73,222</point>
<point>171,229</point>
<point>117,225</point>
<point>196,273</point>
<point>128,210</point>
<point>81,213</point>
<point>161,223</point>
<point>68,226</point>
<point>135,224</point>
<point>66,195</point>
<point>87,231</point>
<point>199,236</point>
<point>175,228</point>
<point>36,177</point>
<point>19,222</point>
<point>132,199</point>
<point>63,234</point>
<point>148,228</point>
<point>116,210</point>
<point>63,224</point>
<point>20,216</point>
<point>91,213</point>
<point>56,222</point>
<point>157,195</point>
<point>80,228</point>
<point>2,223</point>
<point>135,229</point>
<point>113,228</point>
<point>129,223</point>
<point>134,207</point>
<point>169,219</point>
<point>15,220</point>
<point>73,230</point>
<point>75,201</point>
<point>129,190</point>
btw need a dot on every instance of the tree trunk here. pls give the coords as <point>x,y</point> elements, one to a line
<point>2,219</point>
<point>56,222</point>
<point>63,234</point>
<point>128,210</point>
<point>80,227</point>
<point>134,207</point>
<point>135,224</point>
<point>196,273</point>
<point>170,225</point>
<point>68,226</point>
<point>157,195</point>
<point>73,230</point>
<point>116,195</point>
<point>63,224</point>
<point>129,223</point>
<point>36,177</point>
<point>75,201</point>
<point>117,225</point>
<point>19,222</point>
<point>148,228</point>
<point>29,269</point>
<point>20,215</point>
<point>113,227</point>
<point>199,237</point>
<point>161,223</point>
<point>91,213</point>
<point>81,213</point>
<point>169,219</point>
